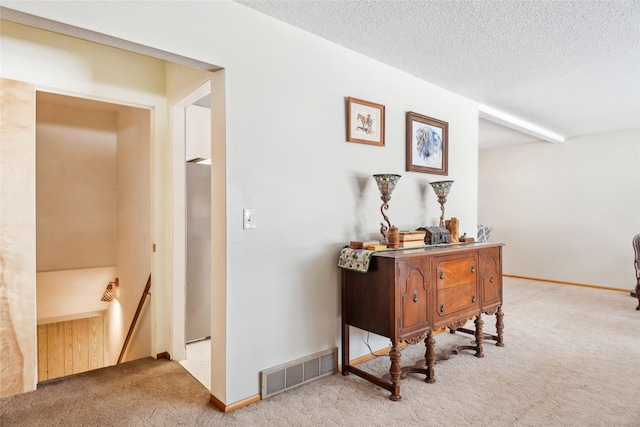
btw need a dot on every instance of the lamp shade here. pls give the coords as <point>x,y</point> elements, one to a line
<point>386,182</point>
<point>442,188</point>
<point>107,296</point>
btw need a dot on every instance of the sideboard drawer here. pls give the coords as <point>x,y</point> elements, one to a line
<point>455,272</point>
<point>455,299</point>
<point>456,279</point>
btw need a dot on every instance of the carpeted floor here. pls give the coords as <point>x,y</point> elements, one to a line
<point>571,358</point>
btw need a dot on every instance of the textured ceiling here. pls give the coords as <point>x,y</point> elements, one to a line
<point>570,67</point>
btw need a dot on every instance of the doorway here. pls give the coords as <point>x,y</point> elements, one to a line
<point>93,211</point>
<point>149,79</point>
<point>191,119</point>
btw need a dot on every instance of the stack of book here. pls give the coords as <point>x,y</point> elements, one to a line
<point>412,239</point>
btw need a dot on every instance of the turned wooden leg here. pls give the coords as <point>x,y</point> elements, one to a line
<point>638,294</point>
<point>345,328</point>
<point>395,371</point>
<point>430,357</point>
<point>499,327</point>
<point>345,349</point>
<point>479,335</point>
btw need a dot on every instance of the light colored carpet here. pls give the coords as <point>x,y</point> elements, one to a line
<point>571,358</point>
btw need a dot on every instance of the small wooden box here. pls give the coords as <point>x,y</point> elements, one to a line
<point>362,244</point>
<point>435,235</point>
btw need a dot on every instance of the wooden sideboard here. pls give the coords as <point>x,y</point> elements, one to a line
<point>407,295</point>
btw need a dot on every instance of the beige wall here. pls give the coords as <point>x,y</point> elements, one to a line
<point>18,363</point>
<point>75,186</point>
<point>566,212</point>
<point>71,294</point>
<point>134,246</point>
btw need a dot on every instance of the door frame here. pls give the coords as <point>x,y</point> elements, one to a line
<point>114,328</point>
<point>179,215</point>
<point>219,334</point>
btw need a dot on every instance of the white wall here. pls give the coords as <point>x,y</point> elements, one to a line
<point>198,132</point>
<point>286,157</point>
<point>566,212</point>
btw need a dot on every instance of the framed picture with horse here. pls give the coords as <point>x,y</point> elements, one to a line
<point>427,144</point>
<point>365,122</point>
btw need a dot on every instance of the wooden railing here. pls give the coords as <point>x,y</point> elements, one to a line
<point>135,318</point>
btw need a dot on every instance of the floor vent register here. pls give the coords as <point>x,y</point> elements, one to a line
<point>297,372</point>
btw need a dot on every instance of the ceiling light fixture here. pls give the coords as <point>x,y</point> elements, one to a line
<point>520,125</point>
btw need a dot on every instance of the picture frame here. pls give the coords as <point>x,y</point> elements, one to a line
<point>365,122</point>
<point>427,144</point>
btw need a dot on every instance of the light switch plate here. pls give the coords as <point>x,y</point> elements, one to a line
<point>249,219</point>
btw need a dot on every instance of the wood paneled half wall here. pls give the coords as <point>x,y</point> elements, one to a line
<point>71,347</point>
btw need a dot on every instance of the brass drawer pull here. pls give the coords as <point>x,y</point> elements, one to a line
<point>415,296</point>
<point>441,307</point>
<point>473,268</point>
<point>491,278</point>
<point>441,274</point>
<point>473,297</point>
